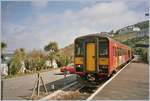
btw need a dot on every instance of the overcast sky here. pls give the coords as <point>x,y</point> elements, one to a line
<point>32,24</point>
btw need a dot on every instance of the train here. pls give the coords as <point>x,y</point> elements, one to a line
<point>97,56</point>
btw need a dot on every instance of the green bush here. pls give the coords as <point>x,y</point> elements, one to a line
<point>63,60</point>
<point>144,55</point>
<point>15,66</point>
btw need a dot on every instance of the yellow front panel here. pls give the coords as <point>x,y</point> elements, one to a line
<point>78,60</point>
<point>90,57</point>
<point>103,61</point>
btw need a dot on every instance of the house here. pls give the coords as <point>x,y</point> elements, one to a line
<point>4,69</point>
<point>143,32</point>
<point>23,68</point>
<point>125,30</point>
<point>4,63</point>
<point>54,64</point>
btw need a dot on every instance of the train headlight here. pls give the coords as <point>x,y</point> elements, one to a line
<point>79,67</point>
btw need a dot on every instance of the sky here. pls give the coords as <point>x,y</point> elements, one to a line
<point>33,24</point>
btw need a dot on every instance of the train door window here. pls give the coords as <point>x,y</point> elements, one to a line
<point>79,48</point>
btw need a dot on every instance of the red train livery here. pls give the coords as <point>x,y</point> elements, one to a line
<point>98,56</point>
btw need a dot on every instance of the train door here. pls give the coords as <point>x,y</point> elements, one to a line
<point>90,57</point>
<point>117,56</point>
<point>114,57</point>
<point>129,54</point>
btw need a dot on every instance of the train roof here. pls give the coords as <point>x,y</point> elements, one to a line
<point>102,35</point>
<point>96,34</point>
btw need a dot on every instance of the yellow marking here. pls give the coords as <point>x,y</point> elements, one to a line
<point>78,60</point>
<point>90,57</point>
<point>103,61</point>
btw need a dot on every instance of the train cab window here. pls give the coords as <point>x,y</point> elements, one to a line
<point>103,48</point>
<point>79,49</point>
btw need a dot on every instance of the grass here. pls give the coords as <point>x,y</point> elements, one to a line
<point>124,37</point>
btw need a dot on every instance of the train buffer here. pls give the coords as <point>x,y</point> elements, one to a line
<point>132,83</point>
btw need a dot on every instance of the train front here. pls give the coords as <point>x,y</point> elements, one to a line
<point>91,57</point>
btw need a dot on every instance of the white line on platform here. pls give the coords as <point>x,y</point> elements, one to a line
<point>99,89</point>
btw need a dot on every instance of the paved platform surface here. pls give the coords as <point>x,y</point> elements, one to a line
<point>20,88</point>
<point>130,84</point>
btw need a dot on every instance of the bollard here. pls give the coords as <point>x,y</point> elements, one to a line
<point>65,74</point>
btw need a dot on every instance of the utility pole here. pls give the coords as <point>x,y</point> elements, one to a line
<point>2,87</point>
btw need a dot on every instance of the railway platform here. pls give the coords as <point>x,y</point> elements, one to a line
<point>132,83</point>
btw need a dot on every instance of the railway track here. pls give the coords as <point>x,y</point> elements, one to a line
<point>80,91</point>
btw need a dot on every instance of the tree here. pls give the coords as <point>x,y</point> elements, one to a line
<point>62,60</point>
<point>18,57</point>
<point>3,46</point>
<point>36,60</point>
<point>52,49</point>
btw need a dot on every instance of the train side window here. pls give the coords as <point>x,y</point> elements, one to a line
<point>121,52</point>
<point>129,53</point>
<point>114,51</point>
<point>118,51</point>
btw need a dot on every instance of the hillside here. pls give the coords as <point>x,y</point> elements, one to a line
<point>128,38</point>
<point>68,50</point>
<point>143,24</point>
<point>124,37</point>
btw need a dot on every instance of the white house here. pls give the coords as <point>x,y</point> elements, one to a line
<point>54,63</point>
<point>4,69</point>
<point>23,68</point>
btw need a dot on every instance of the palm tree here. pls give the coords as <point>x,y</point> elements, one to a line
<point>3,46</point>
<point>19,57</point>
<point>52,48</point>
